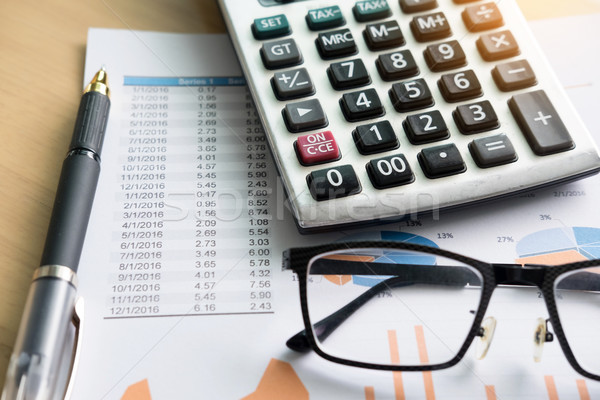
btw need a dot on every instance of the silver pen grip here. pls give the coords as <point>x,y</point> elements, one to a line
<point>36,369</point>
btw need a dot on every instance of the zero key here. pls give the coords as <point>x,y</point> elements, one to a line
<point>331,183</point>
<point>540,123</point>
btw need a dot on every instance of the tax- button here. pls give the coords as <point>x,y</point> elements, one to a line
<point>324,18</point>
<point>271,27</point>
<point>304,116</point>
<point>317,148</point>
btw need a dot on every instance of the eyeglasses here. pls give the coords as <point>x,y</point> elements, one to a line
<point>354,294</point>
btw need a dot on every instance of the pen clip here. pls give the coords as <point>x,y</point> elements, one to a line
<point>77,321</point>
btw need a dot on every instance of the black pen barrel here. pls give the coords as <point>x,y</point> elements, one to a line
<point>72,208</point>
<point>90,125</point>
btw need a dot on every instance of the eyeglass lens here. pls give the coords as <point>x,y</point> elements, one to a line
<point>391,307</point>
<point>577,296</point>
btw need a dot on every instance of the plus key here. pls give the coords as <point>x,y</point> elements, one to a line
<point>540,123</point>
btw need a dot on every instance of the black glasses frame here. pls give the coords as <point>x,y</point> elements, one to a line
<point>538,275</point>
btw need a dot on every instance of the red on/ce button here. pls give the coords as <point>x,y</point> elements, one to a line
<point>317,148</point>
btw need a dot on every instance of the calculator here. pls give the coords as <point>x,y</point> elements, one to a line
<point>378,110</point>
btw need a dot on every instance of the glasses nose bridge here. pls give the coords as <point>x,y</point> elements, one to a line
<point>517,274</point>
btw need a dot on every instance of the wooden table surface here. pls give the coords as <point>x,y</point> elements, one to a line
<point>42,51</point>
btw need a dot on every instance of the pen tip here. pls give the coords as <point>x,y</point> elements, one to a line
<point>99,83</point>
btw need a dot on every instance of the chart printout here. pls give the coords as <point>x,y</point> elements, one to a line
<point>181,271</point>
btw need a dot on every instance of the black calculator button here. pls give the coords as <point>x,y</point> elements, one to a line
<point>411,95</point>
<point>397,65</point>
<point>460,86</point>
<point>497,46</point>
<point>482,17</point>
<point>492,151</point>
<point>430,27</point>
<point>383,35</point>
<point>476,117</point>
<point>348,74</point>
<point>370,10</point>
<point>334,44</point>
<point>292,84</point>
<point>442,160</point>
<point>375,138</point>
<point>413,6</point>
<point>361,105</point>
<point>271,27</point>
<point>280,54</point>
<point>445,56</point>
<point>514,75</point>
<point>425,127</point>
<point>304,116</point>
<point>540,123</point>
<point>390,171</point>
<point>325,18</point>
<point>331,183</point>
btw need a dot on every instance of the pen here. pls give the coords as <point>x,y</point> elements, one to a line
<point>36,369</point>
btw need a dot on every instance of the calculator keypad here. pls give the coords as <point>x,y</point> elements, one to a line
<point>437,118</point>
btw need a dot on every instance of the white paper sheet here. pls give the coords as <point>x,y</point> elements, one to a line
<point>185,297</point>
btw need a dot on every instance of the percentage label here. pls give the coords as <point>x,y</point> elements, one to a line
<point>545,217</point>
<point>505,239</point>
<point>445,235</point>
<point>412,222</point>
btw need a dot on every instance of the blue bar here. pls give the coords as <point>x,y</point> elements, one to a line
<point>183,81</point>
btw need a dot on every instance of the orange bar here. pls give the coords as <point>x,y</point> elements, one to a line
<point>395,358</point>
<point>424,358</point>
<point>138,391</point>
<point>551,387</point>
<point>583,391</point>
<point>490,392</point>
<point>369,393</point>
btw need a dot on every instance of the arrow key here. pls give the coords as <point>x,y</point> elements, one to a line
<point>304,116</point>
